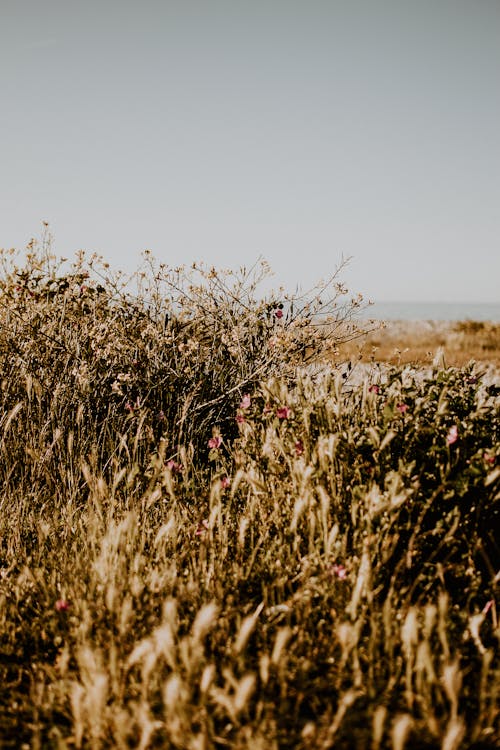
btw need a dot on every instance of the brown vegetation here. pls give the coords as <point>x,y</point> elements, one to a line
<point>202,547</point>
<point>419,342</point>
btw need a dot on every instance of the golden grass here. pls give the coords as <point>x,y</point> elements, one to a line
<point>418,343</point>
<point>203,547</point>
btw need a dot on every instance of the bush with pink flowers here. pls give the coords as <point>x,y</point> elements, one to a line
<point>164,354</point>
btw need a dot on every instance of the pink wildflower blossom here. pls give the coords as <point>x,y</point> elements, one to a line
<point>489,459</point>
<point>283,412</point>
<point>339,571</point>
<point>202,528</point>
<point>402,408</point>
<point>245,401</point>
<point>174,467</point>
<point>299,448</point>
<point>240,418</point>
<point>374,388</point>
<point>215,442</point>
<point>225,482</point>
<point>452,435</point>
<point>62,605</point>
<point>278,313</point>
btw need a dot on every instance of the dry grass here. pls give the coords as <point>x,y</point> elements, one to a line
<point>201,548</point>
<point>419,342</point>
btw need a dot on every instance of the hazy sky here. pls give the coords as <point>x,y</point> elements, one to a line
<point>224,130</point>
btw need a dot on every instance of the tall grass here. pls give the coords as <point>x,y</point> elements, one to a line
<point>204,547</point>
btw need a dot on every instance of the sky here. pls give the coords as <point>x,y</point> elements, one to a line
<point>227,130</point>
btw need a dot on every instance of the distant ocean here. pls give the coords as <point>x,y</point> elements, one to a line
<point>433,311</point>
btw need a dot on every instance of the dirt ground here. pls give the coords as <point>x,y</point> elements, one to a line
<point>421,342</point>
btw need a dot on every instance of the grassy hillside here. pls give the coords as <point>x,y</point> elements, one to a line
<point>203,547</point>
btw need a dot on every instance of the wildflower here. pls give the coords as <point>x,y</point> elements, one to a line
<point>299,448</point>
<point>452,435</point>
<point>489,459</point>
<point>402,408</point>
<point>215,442</point>
<point>202,528</point>
<point>278,313</point>
<point>62,605</point>
<point>225,482</point>
<point>283,412</point>
<point>245,401</point>
<point>339,571</point>
<point>374,388</point>
<point>174,467</point>
<point>240,418</point>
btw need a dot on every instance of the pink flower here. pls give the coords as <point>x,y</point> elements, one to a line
<point>240,418</point>
<point>278,313</point>
<point>174,467</point>
<point>245,401</point>
<point>225,482</point>
<point>489,459</point>
<point>62,605</point>
<point>215,442</point>
<point>374,388</point>
<point>283,412</point>
<point>452,435</point>
<point>339,571</point>
<point>129,406</point>
<point>202,528</point>
<point>299,448</point>
<point>402,408</point>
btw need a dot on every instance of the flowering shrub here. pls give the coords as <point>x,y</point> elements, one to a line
<point>426,484</point>
<point>166,354</point>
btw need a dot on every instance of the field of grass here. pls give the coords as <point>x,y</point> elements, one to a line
<point>202,546</point>
<point>400,342</point>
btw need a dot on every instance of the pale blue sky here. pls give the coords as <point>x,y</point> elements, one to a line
<point>223,130</point>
